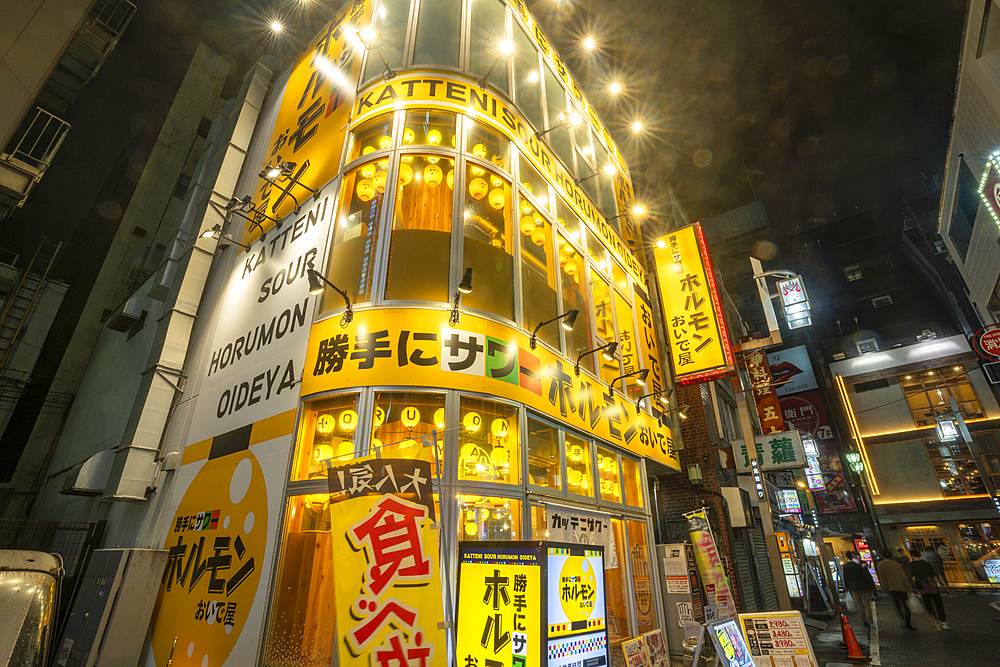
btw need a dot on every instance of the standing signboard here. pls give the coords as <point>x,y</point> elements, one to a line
<point>656,648</point>
<point>635,652</point>
<point>720,599</point>
<point>696,327</point>
<point>730,644</point>
<point>778,639</point>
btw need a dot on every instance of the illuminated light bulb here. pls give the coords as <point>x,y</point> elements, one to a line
<point>450,179</point>
<point>408,136</point>
<point>533,77</point>
<point>497,199</point>
<point>368,170</point>
<point>478,188</point>
<point>276,26</point>
<point>575,118</point>
<point>637,126</point>
<point>368,35</point>
<point>609,169</point>
<point>434,138</point>
<point>433,160</point>
<point>639,209</point>
<point>366,190</point>
<point>589,44</point>
<point>433,175</point>
<point>506,47</point>
<point>479,150</point>
<point>570,267</point>
<point>385,141</point>
<point>661,244</point>
<point>615,88</point>
<point>405,173</point>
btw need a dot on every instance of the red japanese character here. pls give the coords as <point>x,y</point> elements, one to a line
<point>390,535</point>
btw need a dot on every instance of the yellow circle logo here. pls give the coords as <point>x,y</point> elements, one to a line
<point>577,588</point>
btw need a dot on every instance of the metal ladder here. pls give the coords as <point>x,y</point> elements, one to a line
<point>23,297</point>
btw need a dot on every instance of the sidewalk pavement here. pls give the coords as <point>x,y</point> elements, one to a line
<point>971,638</point>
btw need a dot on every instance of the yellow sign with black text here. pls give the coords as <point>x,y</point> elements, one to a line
<point>695,325</point>
<point>417,347</point>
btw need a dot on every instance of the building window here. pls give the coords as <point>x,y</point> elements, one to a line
<point>867,345</point>
<point>573,278</point>
<point>604,323</point>
<point>402,419</point>
<point>429,128</point>
<point>994,303</point>
<point>527,82</point>
<point>326,436</point>
<point>853,273</point>
<point>729,419</point>
<point>486,519</point>
<point>390,22</point>
<point>882,301</point>
<point>372,135</point>
<point>963,217</point>
<point>555,102</point>
<point>489,242</point>
<point>632,481</point>
<point>488,28</point>
<point>439,34</point>
<point>533,183</point>
<point>955,468</point>
<point>989,37</point>
<point>614,584</point>
<point>544,462</point>
<point>578,470</point>
<point>642,576</point>
<point>489,443</point>
<point>929,393</point>
<point>539,297</point>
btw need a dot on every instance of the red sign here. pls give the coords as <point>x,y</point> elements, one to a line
<point>766,400</point>
<point>987,342</point>
<point>807,413</point>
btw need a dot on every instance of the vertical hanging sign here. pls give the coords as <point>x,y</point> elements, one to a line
<point>764,395</point>
<point>696,327</point>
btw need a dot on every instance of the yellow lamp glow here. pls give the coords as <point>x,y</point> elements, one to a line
<point>348,420</point>
<point>323,452</point>
<point>345,449</point>
<point>366,190</point>
<point>434,138</point>
<point>408,136</point>
<point>385,141</point>
<point>367,149</point>
<point>472,421</point>
<point>410,442</point>
<point>575,453</point>
<point>478,188</point>
<point>379,181</point>
<point>469,453</point>
<point>538,236</point>
<point>497,198</point>
<point>325,424</point>
<point>500,457</point>
<point>450,179</point>
<point>433,175</point>
<point>527,225</point>
<point>379,416</point>
<point>368,170</point>
<point>570,267</point>
<point>497,160</point>
<point>410,416</point>
<point>439,417</point>
<point>471,528</point>
<point>376,443</point>
<point>479,150</point>
<point>405,173</point>
<point>500,427</point>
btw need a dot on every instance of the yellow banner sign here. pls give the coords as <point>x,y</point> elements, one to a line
<point>416,347</point>
<point>499,605</point>
<point>388,587</point>
<point>437,90</point>
<point>696,327</point>
<point>713,575</point>
<point>315,108</point>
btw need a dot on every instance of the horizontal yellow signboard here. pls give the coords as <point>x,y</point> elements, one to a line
<point>417,347</point>
<point>430,89</point>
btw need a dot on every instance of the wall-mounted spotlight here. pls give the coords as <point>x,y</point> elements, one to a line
<point>607,351</point>
<point>224,239</point>
<point>566,120</point>
<point>638,210</point>
<point>241,206</point>
<point>286,171</point>
<point>370,39</point>
<point>608,169</point>
<point>505,49</point>
<point>664,395</point>
<point>568,320</point>
<point>464,287</point>
<point>640,377</point>
<point>316,280</point>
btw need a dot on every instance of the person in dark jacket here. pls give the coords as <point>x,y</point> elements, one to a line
<point>925,580</point>
<point>858,581</point>
<point>893,579</point>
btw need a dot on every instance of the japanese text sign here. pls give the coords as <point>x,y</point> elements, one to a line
<point>791,291</point>
<point>635,653</point>
<point>580,527</point>
<point>415,347</point>
<point>777,639</point>
<point>764,396</point>
<point>499,604</point>
<point>713,575</point>
<point>576,618</point>
<point>696,328</point>
<point>388,588</point>
<point>409,478</point>
<point>730,645</point>
<point>778,451</point>
<point>311,122</point>
<point>788,501</point>
<point>986,342</point>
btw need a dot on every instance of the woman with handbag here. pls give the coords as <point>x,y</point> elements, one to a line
<point>925,580</point>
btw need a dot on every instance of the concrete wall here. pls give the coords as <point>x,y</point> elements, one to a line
<point>903,472</point>
<point>881,410</point>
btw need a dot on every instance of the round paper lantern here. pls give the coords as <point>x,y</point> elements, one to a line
<point>367,149</point>
<point>345,449</point>
<point>433,175</point>
<point>410,416</point>
<point>478,188</point>
<point>323,452</point>
<point>472,422</point>
<point>527,225</point>
<point>379,416</point>
<point>405,173</point>
<point>376,444</point>
<point>324,424</point>
<point>439,417</point>
<point>379,181</point>
<point>453,141</point>
<point>477,171</point>
<point>366,190</point>
<point>479,150</point>
<point>497,160</point>
<point>433,160</point>
<point>497,198</point>
<point>408,136</point>
<point>575,453</point>
<point>570,267</point>
<point>450,179</point>
<point>348,420</point>
<point>385,141</point>
<point>538,236</point>
<point>368,170</point>
<point>500,457</point>
<point>495,181</point>
<point>434,138</point>
<point>500,427</point>
<point>573,477</point>
<point>469,453</point>
<point>471,528</point>
<point>408,443</point>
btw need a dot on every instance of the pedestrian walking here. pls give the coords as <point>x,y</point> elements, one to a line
<point>858,581</point>
<point>925,580</point>
<point>893,580</point>
<point>902,559</point>
<point>934,558</point>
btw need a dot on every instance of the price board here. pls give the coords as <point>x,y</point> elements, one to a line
<point>778,639</point>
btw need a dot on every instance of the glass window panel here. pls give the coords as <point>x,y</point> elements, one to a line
<point>605,184</point>
<point>568,220</point>
<point>573,272</point>
<point>538,275</point>
<point>372,135</point>
<point>607,475</point>
<point>628,347</point>
<point>604,326</point>
<point>579,479</point>
<point>543,455</point>
<point>620,277</point>
<point>302,628</point>
<point>327,433</point>
<point>489,244</point>
<point>420,247</point>
<point>526,77</point>
<point>429,128</point>
<point>614,588</point>
<point>489,446</point>
<point>539,525</point>
<point>390,24</point>
<point>632,482</point>
<point>555,99</point>
<point>485,518</point>
<point>533,182</point>
<point>486,144</point>
<point>489,28</point>
<point>955,468</point>
<point>598,253</point>
<point>642,577</point>
<point>439,33</point>
<point>355,235</point>
<point>401,419</point>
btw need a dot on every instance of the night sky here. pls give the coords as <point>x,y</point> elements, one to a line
<point>815,107</point>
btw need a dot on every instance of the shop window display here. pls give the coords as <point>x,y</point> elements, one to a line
<point>489,243</point>
<point>607,476</point>
<point>327,433</point>
<point>641,568</point>
<point>400,421</point>
<point>614,588</point>
<point>489,443</point>
<point>429,128</point>
<point>568,220</point>
<point>487,518</point>
<point>579,479</point>
<point>486,144</point>
<point>420,247</point>
<point>372,135</point>
<point>534,184</point>
<point>543,455</point>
